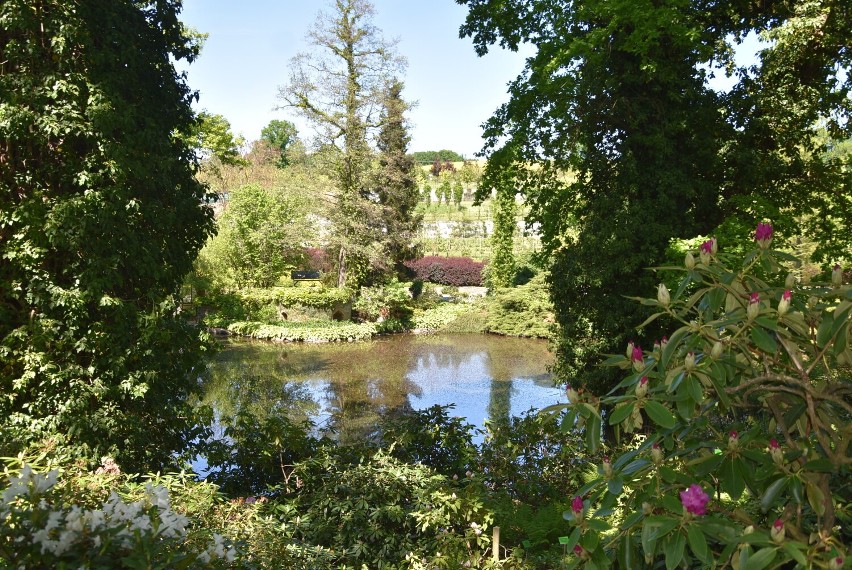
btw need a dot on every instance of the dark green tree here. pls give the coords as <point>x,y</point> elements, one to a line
<point>501,269</point>
<point>280,135</point>
<point>630,149</point>
<point>396,184</point>
<point>100,219</point>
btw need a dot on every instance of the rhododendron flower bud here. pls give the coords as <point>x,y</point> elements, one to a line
<point>705,252</point>
<point>717,350</point>
<point>637,358</point>
<point>642,387</point>
<point>577,507</point>
<point>749,529</point>
<point>776,452</point>
<point>572,394</point>
<point>689,261</point>
<point>714,245</point>
<point>753,306</point>
<point>630,347</point>
<point>694,500</point>
<point>790,282</point>
<point>649,558</point>
<point>733,440</point>
<point>647,509</point>
<point>777,531</point>
<point>689,362</point>
<point>763,235</point>
<point>656,453</point>
<point>837,276</point>
<point>663,295</point>
<point>784,303</point>
<point>836,563</point>
<point>580,551</point>
<point>664,342</point>
<point>606,467</point>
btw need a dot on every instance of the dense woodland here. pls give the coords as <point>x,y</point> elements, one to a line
<point>686,251</point>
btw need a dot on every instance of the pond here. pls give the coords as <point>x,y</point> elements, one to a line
<point>344,387</point>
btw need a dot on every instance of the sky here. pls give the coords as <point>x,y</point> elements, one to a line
<point>246,57</point>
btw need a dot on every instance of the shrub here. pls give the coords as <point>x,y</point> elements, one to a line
<point>523,311</point>
<point>456,271</point>
<point>310,331</point>
<point>740,423</point>
<point>391,301</point>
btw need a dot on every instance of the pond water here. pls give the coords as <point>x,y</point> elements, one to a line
<point>343,387</point>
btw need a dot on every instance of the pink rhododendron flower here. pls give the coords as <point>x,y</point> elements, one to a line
<point>637,357</point>
<point>577,504</point>
<point>753,306</point>
<point>763,235</point>
<point>694,500</point>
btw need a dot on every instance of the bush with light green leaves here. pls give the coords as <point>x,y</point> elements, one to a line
<point>734,431</point>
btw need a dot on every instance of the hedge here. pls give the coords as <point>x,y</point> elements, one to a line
<point>311,331</point>
<point>455,271</point>
<point>316,298</point>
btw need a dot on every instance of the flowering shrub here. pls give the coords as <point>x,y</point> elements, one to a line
<point>737,426</point>
<point>456,271</point>
<point>37,530</point>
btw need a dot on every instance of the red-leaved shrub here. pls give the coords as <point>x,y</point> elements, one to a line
<point>456,271</point>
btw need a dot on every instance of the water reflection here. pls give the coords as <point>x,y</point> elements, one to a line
<point>344,387</point>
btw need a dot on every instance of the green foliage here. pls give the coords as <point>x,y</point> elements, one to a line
<point>212,139</point>
<point>281,135</point>
<point>501,269</point>
<point>431,437</point>
<point>100,219</point>
<point>384,513</point>
<point>396,185</point>
<point>308,331</point>
<point>618,143</point>
<point>260,235</point>
<point>438,317</point>
<point>254,455</point>
<point>522,311</point>
<point>387,301</point>
<point>747,403</point>
<point>430,156</point>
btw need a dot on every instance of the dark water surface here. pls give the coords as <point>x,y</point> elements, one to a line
<point>345,386</point>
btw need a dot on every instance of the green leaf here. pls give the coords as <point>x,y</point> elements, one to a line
<point>621,413</point>
<point>760,559</point>
<point>626,553</point>
<point>732,483</point>
<point>795,553</point>
<point>697,543</point>
<point>598,525</point>
<point>763,340</point>
<point>615,486</point>
<point>694,388</point>
<point>674,550</point>
<point>824,331</point>
<point>593,433</point>
<point>659,414</point>
<point>771,492</point>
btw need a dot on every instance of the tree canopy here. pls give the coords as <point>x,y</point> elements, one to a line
<point>631,147</point>
<point>100,219</point>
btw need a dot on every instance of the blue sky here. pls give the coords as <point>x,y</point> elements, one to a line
<point>251,42</point>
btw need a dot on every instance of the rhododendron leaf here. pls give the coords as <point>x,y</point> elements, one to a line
<point>824,332</point>
<point>768,497</point>
<point>621,413</point>
<point>795,553</point>
<point>732,482</point>
<point>593,433</point>
<point>760,559</point>
<point>816,498</point>
<point>650,319</point>
<point>674,550</point>
<point>694,388</point>
<point>763,340</point>
<point>659,414</point>
<point>697,543</point>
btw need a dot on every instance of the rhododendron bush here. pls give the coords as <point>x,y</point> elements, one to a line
<point>734,432</point>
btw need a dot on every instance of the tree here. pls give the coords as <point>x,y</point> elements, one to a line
<point>396,184</point>
<point>100,219</point>
<point>339,87</point>
<point>262,233</point>
<point>501,269</point>
<point>630,149</point>
<point>280,135</point>
<point>430,156</point>
<point>212,138</point>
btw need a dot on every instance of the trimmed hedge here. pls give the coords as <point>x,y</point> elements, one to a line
<point>295,296</point>
<point>311,331</point>
<point>455,271</point>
